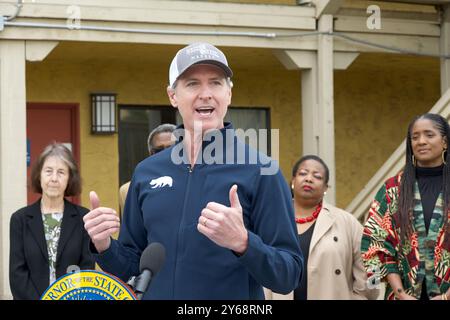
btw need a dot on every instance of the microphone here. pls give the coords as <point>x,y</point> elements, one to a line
<point>152,259</point>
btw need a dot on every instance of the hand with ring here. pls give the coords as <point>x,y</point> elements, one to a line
<point>224,225</point>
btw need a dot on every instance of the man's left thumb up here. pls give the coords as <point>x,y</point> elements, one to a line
<point>234,198</point>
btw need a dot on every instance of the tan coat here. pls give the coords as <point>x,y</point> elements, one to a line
<point>335,268</point>
<point>123,191</point>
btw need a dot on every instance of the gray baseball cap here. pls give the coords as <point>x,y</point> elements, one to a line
<point>197,53</point>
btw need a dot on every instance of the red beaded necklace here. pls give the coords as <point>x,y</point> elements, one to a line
<point>312,217</point>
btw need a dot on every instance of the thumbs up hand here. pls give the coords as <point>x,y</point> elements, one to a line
<point>100,223</point>
<point>94,200</point>
<point>225,225</point>
<point>234,199</point>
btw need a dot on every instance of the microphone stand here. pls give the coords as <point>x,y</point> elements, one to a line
<point>140,283</point>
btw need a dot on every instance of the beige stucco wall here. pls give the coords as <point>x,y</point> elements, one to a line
<point>279,90</point>
<point>57,81</point>
<point>65,82</point>
<point>375,99</point>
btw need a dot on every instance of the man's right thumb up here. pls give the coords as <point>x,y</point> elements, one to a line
<point>94,200</point>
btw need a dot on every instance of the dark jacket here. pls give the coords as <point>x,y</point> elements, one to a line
<point>164,203</point>
<point>28,261</point>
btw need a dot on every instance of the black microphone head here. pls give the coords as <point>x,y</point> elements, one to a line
<point>152,258</point>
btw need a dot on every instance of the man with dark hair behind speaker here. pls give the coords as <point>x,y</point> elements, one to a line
<point>159,139</point>
<point>228,226</point>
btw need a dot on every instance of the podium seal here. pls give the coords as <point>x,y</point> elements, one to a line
<point>88,285</point>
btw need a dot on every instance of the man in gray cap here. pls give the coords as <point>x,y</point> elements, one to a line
<point>228,230</point>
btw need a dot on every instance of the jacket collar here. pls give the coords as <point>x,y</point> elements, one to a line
<point>36,226</point>
<point>217,150</point>
<point>323,223</point>
<point>179,132</point>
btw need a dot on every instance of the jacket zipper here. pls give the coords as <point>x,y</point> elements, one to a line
<point>180,234</point>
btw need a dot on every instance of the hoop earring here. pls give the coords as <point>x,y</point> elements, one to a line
<point>414,161</point>
<point>443,156</point>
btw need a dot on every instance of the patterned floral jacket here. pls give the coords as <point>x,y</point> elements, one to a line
<point>424,256</point>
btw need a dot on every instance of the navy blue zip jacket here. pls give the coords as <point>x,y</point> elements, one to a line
<point>164,203</point>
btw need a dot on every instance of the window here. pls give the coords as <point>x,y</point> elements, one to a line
<point>251,118</point>
<point>135,124</point>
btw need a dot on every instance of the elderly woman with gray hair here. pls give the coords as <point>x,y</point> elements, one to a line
<point>48,236</point>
